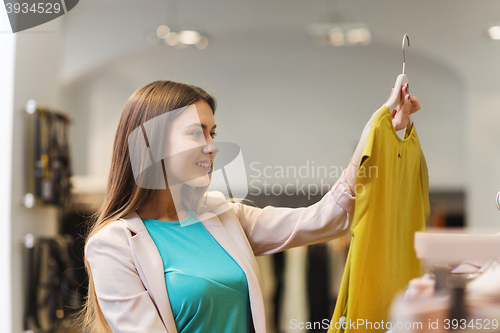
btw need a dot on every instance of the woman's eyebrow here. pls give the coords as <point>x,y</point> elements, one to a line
<point>201,125</point>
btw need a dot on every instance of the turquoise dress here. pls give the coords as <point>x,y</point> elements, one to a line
<point>208,290</point>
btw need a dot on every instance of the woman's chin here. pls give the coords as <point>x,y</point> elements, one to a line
<point>201,181</point>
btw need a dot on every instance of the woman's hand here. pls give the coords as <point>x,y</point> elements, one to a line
<point>401,116</point>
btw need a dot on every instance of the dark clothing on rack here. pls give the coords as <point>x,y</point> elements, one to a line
<point>318,286</point>
<point>50,284</point>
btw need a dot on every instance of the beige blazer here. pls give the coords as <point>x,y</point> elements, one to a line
<point>128,269</point>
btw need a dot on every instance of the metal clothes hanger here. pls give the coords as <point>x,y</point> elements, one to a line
<point>395,97</point>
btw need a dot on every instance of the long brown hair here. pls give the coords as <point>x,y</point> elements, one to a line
<point>123,196</point>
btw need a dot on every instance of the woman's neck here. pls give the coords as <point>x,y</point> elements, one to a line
<point>166,206</point>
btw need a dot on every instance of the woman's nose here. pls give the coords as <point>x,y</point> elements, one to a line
<point>211,148</point>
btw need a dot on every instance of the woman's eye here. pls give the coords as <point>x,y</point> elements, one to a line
<point>197,134</point>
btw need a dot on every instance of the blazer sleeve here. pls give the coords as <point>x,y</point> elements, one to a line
<point>274,229</point>
<point>122,297</point>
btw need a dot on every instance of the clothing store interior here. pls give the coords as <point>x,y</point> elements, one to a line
<point>300,86</point>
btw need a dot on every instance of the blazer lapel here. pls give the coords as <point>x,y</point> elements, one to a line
<point>150,268</point>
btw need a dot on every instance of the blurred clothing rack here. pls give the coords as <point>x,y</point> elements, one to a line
<point>48,156</point>
<point>51,289</point>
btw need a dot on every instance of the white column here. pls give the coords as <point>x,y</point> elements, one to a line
<point>7,61</point>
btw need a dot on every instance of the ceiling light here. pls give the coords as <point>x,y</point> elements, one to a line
<point>189,37</point>
<point>359,35</point>
<point>336,36</point>
<point>202,43</point>
<point>494,32</point>
<point>163,31</point>
<point>172,39</point>
<point>340,33</point>
<point>179,39</point>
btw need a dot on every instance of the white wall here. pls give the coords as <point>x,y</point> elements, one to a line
<point>274,86</point>
<point>483,157</point>
<point>35,77</point>
<point>309,104</point>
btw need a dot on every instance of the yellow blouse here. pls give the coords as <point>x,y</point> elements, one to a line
<point>392,203</point>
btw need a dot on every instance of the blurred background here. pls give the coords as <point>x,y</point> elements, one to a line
<point>295,81</point>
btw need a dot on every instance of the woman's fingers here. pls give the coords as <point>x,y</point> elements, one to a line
<point>403,94</point>
<point>404,103</point>
<point>401,115</point>
<point>415,104</point>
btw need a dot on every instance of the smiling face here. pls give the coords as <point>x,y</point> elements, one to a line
<point>191,146</point>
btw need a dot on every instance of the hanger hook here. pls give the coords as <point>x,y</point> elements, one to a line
<point>405,37</point>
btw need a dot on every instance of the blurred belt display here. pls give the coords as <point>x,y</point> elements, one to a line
<point>48,157</point>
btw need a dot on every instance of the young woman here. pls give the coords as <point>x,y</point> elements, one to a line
<point>166,255</point>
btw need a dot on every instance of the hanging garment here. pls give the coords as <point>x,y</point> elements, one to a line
<point>51,289</point>
<point>279,274</point>
<point>48,157</point>
<point>392,203</point>
<point>318,292</point>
